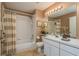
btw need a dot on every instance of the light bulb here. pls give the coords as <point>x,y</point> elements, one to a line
<point>56,9</point>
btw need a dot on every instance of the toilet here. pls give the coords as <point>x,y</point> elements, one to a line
<point>39,46</point>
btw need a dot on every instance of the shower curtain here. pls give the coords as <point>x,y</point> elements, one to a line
<point>8,32</point>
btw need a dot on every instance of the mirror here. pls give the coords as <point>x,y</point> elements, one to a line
<point>53,25</point>
<point>63,21</point>
<point>72,26</point>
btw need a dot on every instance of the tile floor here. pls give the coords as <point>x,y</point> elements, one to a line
<point>31,52</point>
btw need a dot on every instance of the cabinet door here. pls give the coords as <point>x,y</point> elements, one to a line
<point>70,49</point>
<point>50,49</point>
<point>64,53</point>
<point>54,51</point>
<point>47,49</point>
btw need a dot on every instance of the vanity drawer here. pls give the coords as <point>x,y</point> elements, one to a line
<point>51,42</point>
<point>72,50</point>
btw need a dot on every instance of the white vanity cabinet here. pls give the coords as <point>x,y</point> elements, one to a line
<point>50,49</point>
<point>71,50</point>
<point>53,48</point>
<point>65,53</point>
<point>54,51</point>
<point>47,49</point>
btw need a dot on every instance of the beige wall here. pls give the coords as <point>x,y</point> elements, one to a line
<point>40,13</point>
<point>39,17</point>
<point>0,4</point>
<point>78,20</point>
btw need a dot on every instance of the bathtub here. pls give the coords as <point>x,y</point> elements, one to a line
<point>25,46</point>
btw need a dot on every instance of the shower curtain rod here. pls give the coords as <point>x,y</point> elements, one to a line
<point>21,12</point>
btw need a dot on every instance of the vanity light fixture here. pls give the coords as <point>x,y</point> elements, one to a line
<point>56,9</point>
<point>59,8</point>
<point>48,13</point>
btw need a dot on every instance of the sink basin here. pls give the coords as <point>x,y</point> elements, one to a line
<point>65,39</point>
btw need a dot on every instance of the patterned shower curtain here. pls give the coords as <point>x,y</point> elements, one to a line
<point>8,41</point>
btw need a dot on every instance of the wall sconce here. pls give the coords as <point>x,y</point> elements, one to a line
<point>56,9</point>
<point>39,23</point>
<point>60,7</point>
<point>52,10</point>
<point>45,24</point>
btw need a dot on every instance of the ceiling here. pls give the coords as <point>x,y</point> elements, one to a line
<point>28,6</point>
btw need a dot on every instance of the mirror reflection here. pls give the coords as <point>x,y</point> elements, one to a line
<point>63,22</point>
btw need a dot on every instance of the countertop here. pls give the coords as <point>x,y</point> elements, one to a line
<point>73,42</point>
